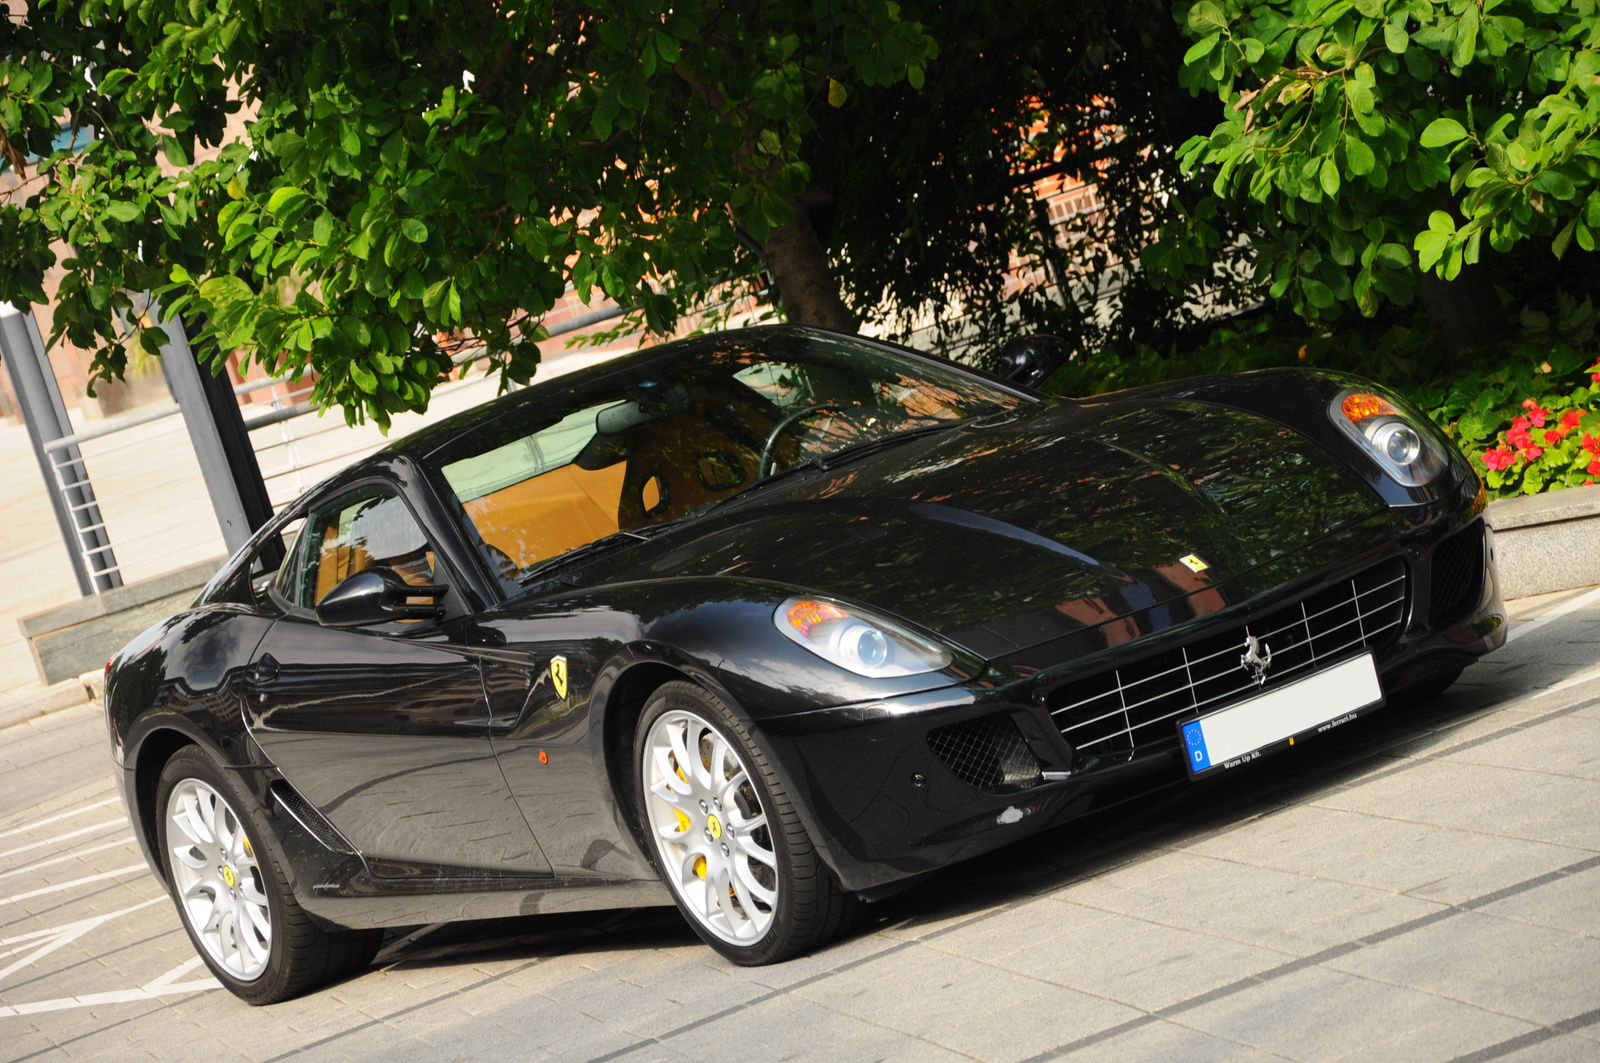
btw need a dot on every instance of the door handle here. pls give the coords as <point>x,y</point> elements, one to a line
<point>265,670</point>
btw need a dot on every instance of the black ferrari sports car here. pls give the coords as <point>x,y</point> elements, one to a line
<point>767,624</point>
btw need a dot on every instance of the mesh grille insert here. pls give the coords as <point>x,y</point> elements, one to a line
<point>1457,574</point>
<point>988,753</point>
<point>1130,711</point>
<point>302,812</point>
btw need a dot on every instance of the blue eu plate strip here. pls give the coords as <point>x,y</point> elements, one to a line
<point>1194,739</point>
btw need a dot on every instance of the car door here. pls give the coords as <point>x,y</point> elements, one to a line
<point>384,728</point>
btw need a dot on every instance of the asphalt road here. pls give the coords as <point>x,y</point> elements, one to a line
<point>1419,885</point>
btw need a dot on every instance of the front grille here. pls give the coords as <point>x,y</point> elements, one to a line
<point>1130,711</point>
<point>988,753</point>
<point>1457,579</point>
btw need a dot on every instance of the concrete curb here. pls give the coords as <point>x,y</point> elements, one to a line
<point>29,704</point>
<point>70,639</point>
<point>1547,542</point>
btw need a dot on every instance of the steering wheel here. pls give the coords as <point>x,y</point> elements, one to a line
<point>764,466</point>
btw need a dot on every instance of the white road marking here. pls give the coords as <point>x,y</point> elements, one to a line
<point>173,975</point>
<point>47,941</point>
<point>120,821</point>
<point>70,856</point>
<point>59,886</point>
<point>1519,630</point>
<point>161,987</point>
<point>25,828</point>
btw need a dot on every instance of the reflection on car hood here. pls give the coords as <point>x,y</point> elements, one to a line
<point>1058,517</point>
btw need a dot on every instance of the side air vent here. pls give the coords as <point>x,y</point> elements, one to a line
<point>1457,574</point>
<point>297,808</point>
<point>988,753</point>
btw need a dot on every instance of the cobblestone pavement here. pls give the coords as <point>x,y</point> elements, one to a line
<point>1420,885</point>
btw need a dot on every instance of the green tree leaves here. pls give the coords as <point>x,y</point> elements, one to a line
<point>1442,132</point>
<point>1374,126</point>
<point>412,177</point>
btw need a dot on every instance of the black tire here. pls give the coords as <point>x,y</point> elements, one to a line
<point>811,907</point>
<point>301,955</point>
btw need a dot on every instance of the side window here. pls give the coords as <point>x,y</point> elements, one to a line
<point>281,579</point>
<point>357,531</point>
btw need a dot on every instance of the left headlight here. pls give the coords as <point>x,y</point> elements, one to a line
<point>857,641</point>
<point>1406,452</point>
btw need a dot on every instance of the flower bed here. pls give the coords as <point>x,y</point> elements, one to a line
<point>1528,427</point>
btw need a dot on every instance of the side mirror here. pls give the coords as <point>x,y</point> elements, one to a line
<point>377,596</point>
<point>1030,360</point>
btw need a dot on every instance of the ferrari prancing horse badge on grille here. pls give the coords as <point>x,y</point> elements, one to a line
<point>1257,657</point>
<point>558,675</point>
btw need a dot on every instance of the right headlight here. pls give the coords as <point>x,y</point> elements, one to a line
<point>1407,453</point>
<point>857,641</point>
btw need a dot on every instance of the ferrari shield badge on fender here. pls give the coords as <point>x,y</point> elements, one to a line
<point>558,675</point>
<point>1193,563</point>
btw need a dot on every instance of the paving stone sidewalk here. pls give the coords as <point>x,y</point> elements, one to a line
<point>1422,885</point>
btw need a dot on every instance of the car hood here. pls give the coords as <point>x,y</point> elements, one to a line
<point>1001,534</point>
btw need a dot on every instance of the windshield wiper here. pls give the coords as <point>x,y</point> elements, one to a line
<point>599,546</point>
<point>808,465</point>
<point>872,446</point>
<point>825,462</point>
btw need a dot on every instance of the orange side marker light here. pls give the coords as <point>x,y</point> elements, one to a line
<point>544,758</point>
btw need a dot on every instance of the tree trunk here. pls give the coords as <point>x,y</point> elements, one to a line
<point>1465,312</point>
<point>799,267</point>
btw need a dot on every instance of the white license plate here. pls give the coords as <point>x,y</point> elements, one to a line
<point>1319,702</point>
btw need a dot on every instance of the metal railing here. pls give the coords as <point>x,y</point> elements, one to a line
<point>149,498</point>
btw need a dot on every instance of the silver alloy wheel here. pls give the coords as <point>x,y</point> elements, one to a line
<point>710,830</point>
<point>219,882</point>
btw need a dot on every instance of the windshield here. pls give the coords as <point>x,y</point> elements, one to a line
<point>660,437</point>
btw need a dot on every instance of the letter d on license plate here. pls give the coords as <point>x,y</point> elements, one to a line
<point>1320,701</point>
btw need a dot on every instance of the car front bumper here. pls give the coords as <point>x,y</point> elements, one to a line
<point>885,806</point>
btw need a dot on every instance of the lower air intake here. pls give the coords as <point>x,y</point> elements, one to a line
<point>988,753</point>
<point>1457,574</point>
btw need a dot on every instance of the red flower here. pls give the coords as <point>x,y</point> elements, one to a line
<point>1594,468</point>
<point>1591,444</point>
<point>1552,436</point>
<point>1498,459</point>
<point>1532,453</point>
<point>1570,419</point>
<point>1535,414</point>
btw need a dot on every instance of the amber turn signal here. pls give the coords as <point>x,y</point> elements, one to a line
<point>1361,405</point>
<point>806,615</point>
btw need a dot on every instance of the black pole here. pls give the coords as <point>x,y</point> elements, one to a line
<point>221,442</point>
